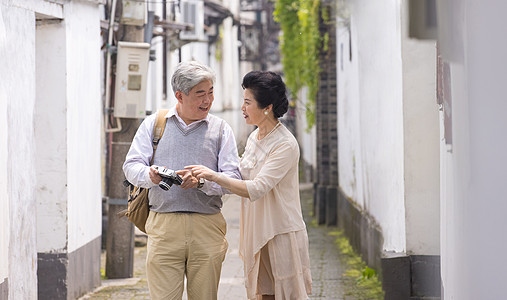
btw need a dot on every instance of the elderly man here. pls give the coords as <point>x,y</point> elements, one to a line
<point>185,228</point>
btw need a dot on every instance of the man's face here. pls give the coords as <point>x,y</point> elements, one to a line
<point>196,105</point>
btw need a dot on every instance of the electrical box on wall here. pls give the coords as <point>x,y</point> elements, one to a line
<point>130,86</point>
<point>133,12</point>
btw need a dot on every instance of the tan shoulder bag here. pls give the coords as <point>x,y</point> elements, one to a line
<point>138,203</point>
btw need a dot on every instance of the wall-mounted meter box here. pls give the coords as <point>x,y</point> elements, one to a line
<point>130,86</point>
<point>133,12</point>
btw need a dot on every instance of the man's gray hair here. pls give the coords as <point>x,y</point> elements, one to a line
<point>189,74</point>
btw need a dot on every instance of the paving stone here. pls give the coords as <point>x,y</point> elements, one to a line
<point>326,266</point>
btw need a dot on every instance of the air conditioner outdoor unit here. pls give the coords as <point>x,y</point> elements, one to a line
<point>192,12</point>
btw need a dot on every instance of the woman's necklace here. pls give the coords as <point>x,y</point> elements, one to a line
<point>276,126</point>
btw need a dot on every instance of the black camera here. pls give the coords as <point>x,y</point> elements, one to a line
<point>169,177</point>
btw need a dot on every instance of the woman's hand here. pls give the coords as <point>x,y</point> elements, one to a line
<point>235,186</point>
<point>202,172</point>
<point>189,181</point>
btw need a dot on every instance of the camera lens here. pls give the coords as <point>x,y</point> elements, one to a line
<point>164,186</point>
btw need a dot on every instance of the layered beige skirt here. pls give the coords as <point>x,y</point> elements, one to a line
<point>282,268</point>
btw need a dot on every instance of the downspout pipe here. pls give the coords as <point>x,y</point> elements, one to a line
<point>108,73</point>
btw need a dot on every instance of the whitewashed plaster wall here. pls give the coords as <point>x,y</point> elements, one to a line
<point>4,155</point>
<point>32,178</point>
<point>154,92</point>
<point>421,143</point>
<point>227,90</point>
<point>68,127</point>
<point>196,51</point>
<point>371,165</point>
<point>474,176</point>
<point>18,233</point>
<point>230,95</point>
<point>51,138</point>
<point>4,199</point>
<point>349,107</point>
<point>307,139</point>
<point>84,115</point>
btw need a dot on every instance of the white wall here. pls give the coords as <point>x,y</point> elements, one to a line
<point>227,91</point>
<point>371,166</point>
<point>4,198</point>
<point>474,172</point>
<point>68,128</point>
<point>196,51</point>
<point>349,153</point>
<point>50,114</point>
<point>421,143</point>
<point>17,69</point>
<point>307,139</point>
<point>154,92</point>
<point>229,96</point>
<point>84,115</point>
<point>51,138</point>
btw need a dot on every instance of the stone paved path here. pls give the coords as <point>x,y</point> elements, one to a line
<point>324,258</point>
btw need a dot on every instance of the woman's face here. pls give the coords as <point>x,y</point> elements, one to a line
<point>252,113</point>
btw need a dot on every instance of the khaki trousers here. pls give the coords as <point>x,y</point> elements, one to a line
<point>185,244</point>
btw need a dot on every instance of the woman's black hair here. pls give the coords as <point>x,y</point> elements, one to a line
<point>267,88</point>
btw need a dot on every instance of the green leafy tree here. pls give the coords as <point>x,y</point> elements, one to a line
<point>300,44</point>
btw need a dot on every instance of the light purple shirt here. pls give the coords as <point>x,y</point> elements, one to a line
<point>136,166</point>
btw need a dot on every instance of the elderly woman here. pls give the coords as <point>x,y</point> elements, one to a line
<point>273,237</point>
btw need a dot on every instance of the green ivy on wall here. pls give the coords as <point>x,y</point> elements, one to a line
<point>300,44</point>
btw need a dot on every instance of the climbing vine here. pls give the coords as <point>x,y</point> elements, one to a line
<point>300,44</point>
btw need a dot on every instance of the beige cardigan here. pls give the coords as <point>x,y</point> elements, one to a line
<point>270,168</point>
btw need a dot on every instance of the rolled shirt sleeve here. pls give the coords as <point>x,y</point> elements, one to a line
<point>137,162</point>
<point>277,164</point>
<point>228,162</point>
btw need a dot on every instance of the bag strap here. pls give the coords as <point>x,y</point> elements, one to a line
<point>158,130</point>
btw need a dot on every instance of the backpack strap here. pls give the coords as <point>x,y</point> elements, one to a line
<point>158,129</point>
<point>222,124</point>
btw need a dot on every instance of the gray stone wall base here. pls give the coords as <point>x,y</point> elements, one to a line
<point>69,275</point>
<point>403,276</point>
<point>326,203</point>
<point>426,279</point>
<point>411,276</point>
<point>84,269</point>
<point>331,206</point>
<point>4,289</point>
<point>52,276</point>
<point>396,276</point>
<point>320,204</point>
<point>362,231</point>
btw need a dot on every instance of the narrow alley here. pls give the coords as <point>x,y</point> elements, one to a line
<point>327,264</point>
<point>398,109</point>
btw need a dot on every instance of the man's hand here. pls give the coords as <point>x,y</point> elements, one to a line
<point>189,181</point>
<point>154,177</point>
